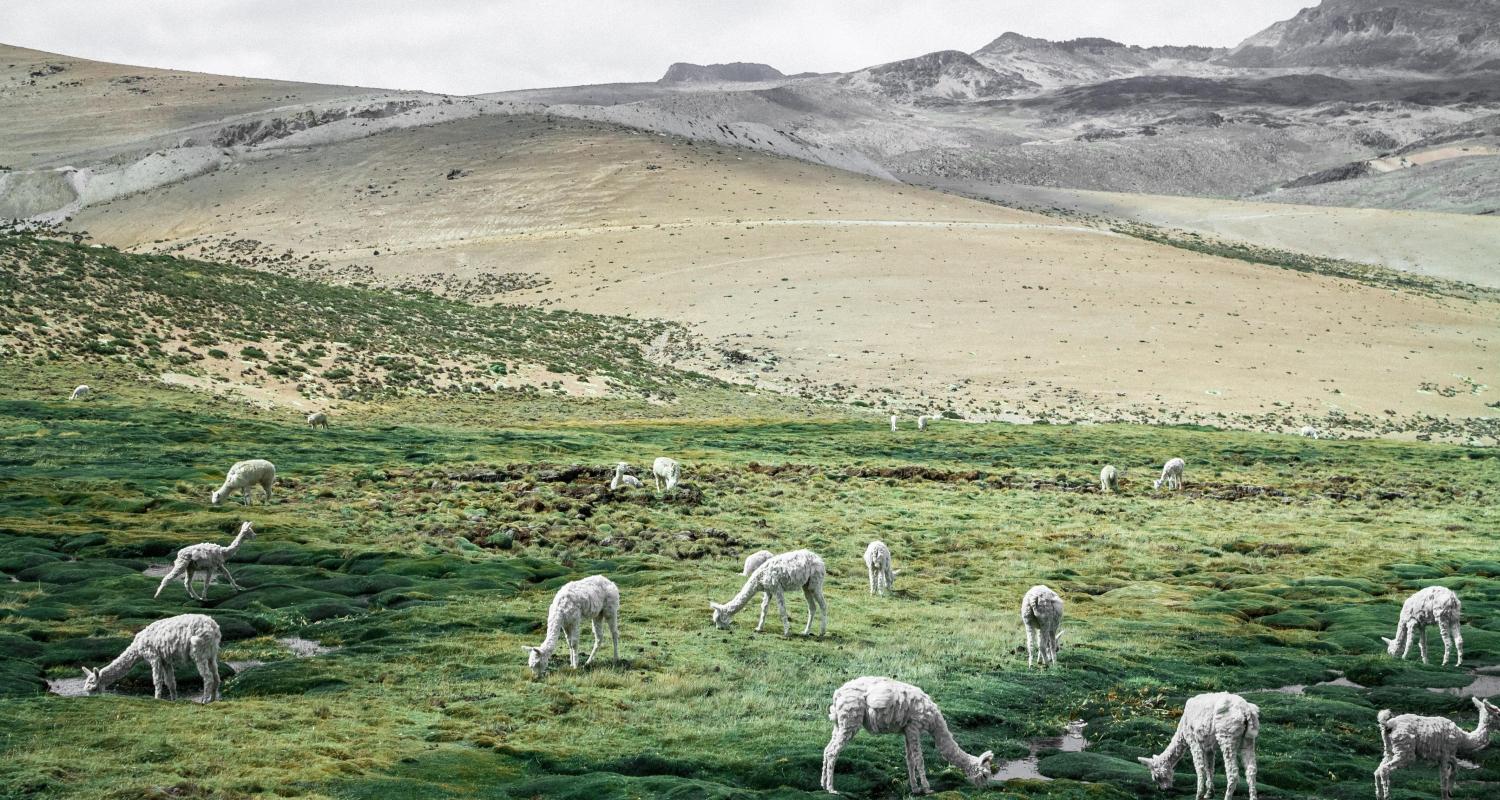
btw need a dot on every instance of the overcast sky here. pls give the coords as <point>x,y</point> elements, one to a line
<point>472,46</point>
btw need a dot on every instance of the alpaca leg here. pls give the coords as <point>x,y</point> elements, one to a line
<point>822,610</point>
<point>1231,767</point>
<point>1200,760</point>
<point>1445,776</point>
<point>1247,757</point>
<point>786,621</point>
<point>169,677</point>
<point>812,603</point>
<point>232,582</point>
<point>206,658</point>
<point>267,486</point>
<point>1458,644</point>
<point>594,626</point>
<point>571,630</point>
<point>765,602</point>
<point>1406,635</point>
<point>870,568</point>
<point>157,685</point>
<point>614,631</point>
<point>1422,644</point>
<point>1030,635</point>
<point>916,767</point>
<point>1447,641</point>
<point>1392,762</point>
<point>843,731</point>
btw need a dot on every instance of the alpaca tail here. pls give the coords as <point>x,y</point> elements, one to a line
<point>176,570</point>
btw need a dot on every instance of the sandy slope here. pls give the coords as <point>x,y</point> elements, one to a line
<point>857,287</point>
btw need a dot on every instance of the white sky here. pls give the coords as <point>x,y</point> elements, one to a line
<point>473,46</point>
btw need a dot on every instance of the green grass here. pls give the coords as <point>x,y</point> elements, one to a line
<point>425,537</point>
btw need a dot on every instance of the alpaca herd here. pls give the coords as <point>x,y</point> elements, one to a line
<point>1218,723</point>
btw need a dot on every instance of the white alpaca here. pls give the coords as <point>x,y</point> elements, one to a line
<point>596,599</point>
<point>1221,720</point>
<point>81,392</point>
<point>244,476</point>
<point>1309,431</point>
<point>317,419</point>
<point>1409,737</point>
<point>754,560</point>
<point>208,560</point>
<point>1109,478</point>
<point>1042,616</point>
<point>162,644</point>
<point>1435,605</point>
<point>621,479</point>
<point>922,422</point>
<point>893,423</point>
<point>799,569</point>
<point>1171,475</point>
<point>882,705</point>
<point>665,470</point>
<point>878,565</point>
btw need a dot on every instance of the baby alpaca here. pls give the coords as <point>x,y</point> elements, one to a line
<point>621,479</point>
<point>1109,478</point>
<point>1171,475</point>
<point>882,705</point>
<point>1409,737</point>
<point>878,565</point>
<point>317,419</point>
<point>666,470</point>
<point>244,476</point>
<point>1435,605</point>
<point>893,423</point>
<point>162,644</point>
<point>1042,615</point>
<point>206,559</point>
<point>80,393</point>
<point>1221,720</point>
<point>799,569</point>
<point>595,598</point>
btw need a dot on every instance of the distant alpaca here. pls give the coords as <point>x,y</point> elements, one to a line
<point>878,565</point>
<point>1171,474</point>
<point>162,644</point>
<point>80,393</point>
<point>893,423</point>
<point>244,476</point>
<point>1109,478</point>
<point>317,419</point>
<point>595,598</point>
<point>799,569</point>
<point>1041,616</point>
<point>1309,431</point>
<point>922,422</point>
<point>755,559</point>
<point>665,470</point>
<point>1409,737</point>
<point>882,705</point>
<point>1435,605</point>
<point>206,559</point>
<point>1221,720</point>
<point>621,479</point>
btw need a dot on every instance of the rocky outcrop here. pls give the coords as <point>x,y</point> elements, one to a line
<point>737,72</point>
<point>947,75</point>
<point>1428,35</point>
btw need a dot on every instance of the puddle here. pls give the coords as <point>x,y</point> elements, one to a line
<point>1486,684</point>
<point>1301,688</point>
<point>157,570</point>
<point>241,666</point>
<point>1072,741</point>
<point>304,648</point>
<point>66,687</point>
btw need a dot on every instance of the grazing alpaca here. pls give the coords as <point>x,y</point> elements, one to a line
<point>878,565</point>
<point>799,569</point>
<point>1042,615</point>
<point>1171,474</point>
<point>206,559</point>
<point>882,705</point>
<point>1109,478</point>
<point>1309,431</point>
<point>1409,737</point>
<point>162,644</point>
<point>894,419</point>
<point>922,422</point>
<point>1435,605</point>
<point>665,470</point>
<point>595,598</point>
<point>621,479</point>
<point>1221,720</point>
<point>317,419</point>
<point>80,393</point>
<point>244,476</point>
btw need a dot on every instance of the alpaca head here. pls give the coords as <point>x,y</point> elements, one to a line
<point>217,496</point>
<point>247,530</point>
<point>982,771</point>
<point>722,617</point>
<point>1486,707</point>
<point>1392,647</point>
<point>1161,770</point>
<point>1156,484</point>
<point>537,661</point>
<point>91,681</point>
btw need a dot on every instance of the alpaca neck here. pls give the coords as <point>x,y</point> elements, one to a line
<point>948,747</point>
<point>746,592</point>
<point>615,484</point>
<point>554,633</point>
<point>1479,738</point>
<point>234,546</point>
<point>115,670</point>
<point>1175,750</point>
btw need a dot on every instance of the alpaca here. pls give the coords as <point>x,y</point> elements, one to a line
<point>80,393</point>
<point>878,565</point>
<point>1109,478</point>
<point>922,422</point>
<point>1409,737</point>
<point>754,560</point>
<point>893,423</point>
<point>1435,605</point>
<point>665,470</point>
<point>621,479</point>
<point>1309,431</point>
<point>595,598</point>
<point>1041,616</point>
<point>208,560</point>
<point>799,569</point>
<point>162,644</point>
<point>244,476</point>
<point>1221,720</point>
<point>317,419</point>
<point>1171,475</point>
<point>882,705</point>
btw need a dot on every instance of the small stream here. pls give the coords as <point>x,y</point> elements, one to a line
<point>1486,684</point>
<point>1072,741</point>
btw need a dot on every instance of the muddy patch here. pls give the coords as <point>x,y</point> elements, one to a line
<point>1486,684</point>
<point>1072,741</point>
<point>304,648</point>
<point>245,666</point>
<point>1301,688</point>
<point>66,687</point>
<point>157,570</point>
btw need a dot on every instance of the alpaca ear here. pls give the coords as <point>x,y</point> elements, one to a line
<point>1387,641</point>
<point>986,758</point>
<point>88,673</point>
